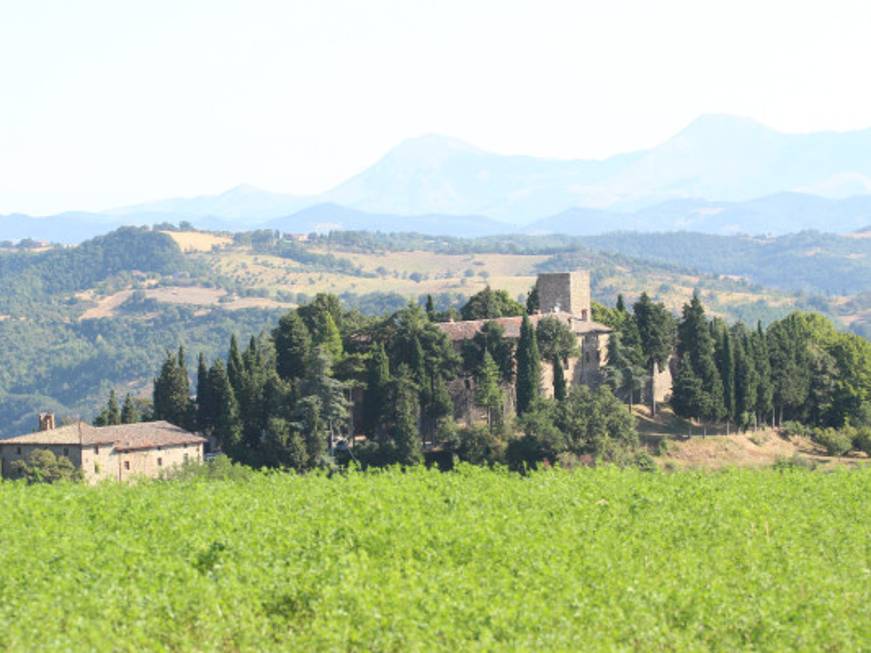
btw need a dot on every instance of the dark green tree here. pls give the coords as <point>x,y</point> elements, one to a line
<point>726,367</point>
<point>406,411</point>
<point>556,339</point>
<point>559,379</point>
<point>528,368</point>
<point>489,304</point>
<point>488,391</point>
<point>205,406</point>
<point>430,308</point>
<point>171,396</point>
<point>235,366</point>
<point>623,373</point>
<point>293,346</point>
<point>746,377</point>
<point>227,427</point>
<point>696,343</point>
<point>377,393</point>
<point>490,338</point>
<point>656,338</point>
<point>129,411</point>
<point>533,303</point>
<point>764,404</point>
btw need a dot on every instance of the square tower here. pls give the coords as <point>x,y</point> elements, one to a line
<point>568,292</point>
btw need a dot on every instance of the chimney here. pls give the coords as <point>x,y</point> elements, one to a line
<point>46,421</point>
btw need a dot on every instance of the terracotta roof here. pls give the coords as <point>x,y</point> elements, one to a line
<point>466,330</point>
<point>124,437</point>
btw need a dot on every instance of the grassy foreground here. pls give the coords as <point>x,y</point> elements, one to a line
<point>588,560</point>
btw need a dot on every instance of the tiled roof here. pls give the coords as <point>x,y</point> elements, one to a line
<point>467,329</point>
<point>124,437</point>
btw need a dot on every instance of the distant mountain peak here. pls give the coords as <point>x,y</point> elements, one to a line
<point>430,146</point>
<point>243,189</point>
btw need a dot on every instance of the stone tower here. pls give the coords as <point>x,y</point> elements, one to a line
<point>568,292</point>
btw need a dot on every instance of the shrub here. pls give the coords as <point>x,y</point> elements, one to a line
<point>645,462</point>
<point>219,468</point>
<point>43,466</point>
<point>836,443</point>
<point>662,446</point>
<point>862,439</point>
<point>791,429</point>
<point>796,461</point>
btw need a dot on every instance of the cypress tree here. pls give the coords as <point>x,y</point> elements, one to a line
<point>656,338</point>
<point>696,343</point>
<point>129,412</point>
<point>528,368</point>
<point>171,394</point>
<point>488,391</point>
<point>313,433</point>
<point>688,396</point>
<point>533,303</point>
<point>430,308</point>
<point>622,371</point>
<point>621,306</point>
<point>330,339</point>
<point>113,411</point>
<point>746,377</point>
<point>293,346</point>
<point>727,372</point>
<point>235,366</point>
<point>205,405</point>
<point>418,362</point>
<point>251,357</point>
<point>375,400</point>
<point>559,379</point>
<point>330,392</point>
<point>227,426</point>
<point>764,404</point>
<point>406,436</point>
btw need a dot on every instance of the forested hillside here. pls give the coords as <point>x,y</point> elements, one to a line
<point>809,261</point>
<point>77,321</point>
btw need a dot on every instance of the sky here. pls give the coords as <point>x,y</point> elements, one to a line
<point>111,102</point>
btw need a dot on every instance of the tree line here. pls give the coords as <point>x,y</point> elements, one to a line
<point>798,369</point>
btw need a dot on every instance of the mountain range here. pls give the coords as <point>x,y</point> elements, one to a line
<point>720,174</point>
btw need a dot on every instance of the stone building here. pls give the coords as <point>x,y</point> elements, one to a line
<point>563,295</point>
<point>109,452</point>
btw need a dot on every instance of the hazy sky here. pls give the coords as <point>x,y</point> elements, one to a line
<point>108,102</point>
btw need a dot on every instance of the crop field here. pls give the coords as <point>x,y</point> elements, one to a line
<point>475,559</point>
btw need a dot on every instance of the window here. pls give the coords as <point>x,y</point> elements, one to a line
<point>18,450</point>
<point>160,462</point>
<point>97,451</point>
<point>127,465</point>
<point>66,451</point>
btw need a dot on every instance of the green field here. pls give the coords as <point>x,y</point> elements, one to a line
<point>587,560</point>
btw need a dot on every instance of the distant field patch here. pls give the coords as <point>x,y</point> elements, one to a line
<point>185,295</point>
<point>197,241</point>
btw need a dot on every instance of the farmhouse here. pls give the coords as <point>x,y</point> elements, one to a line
<point>109,452</point>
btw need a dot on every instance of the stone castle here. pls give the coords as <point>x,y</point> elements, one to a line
<point>563,295</point>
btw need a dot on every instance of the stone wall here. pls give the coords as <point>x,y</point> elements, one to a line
<point>151,462</point>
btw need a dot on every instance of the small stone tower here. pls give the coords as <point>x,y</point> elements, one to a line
<point>568,292</point>
<point>46,421</point>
